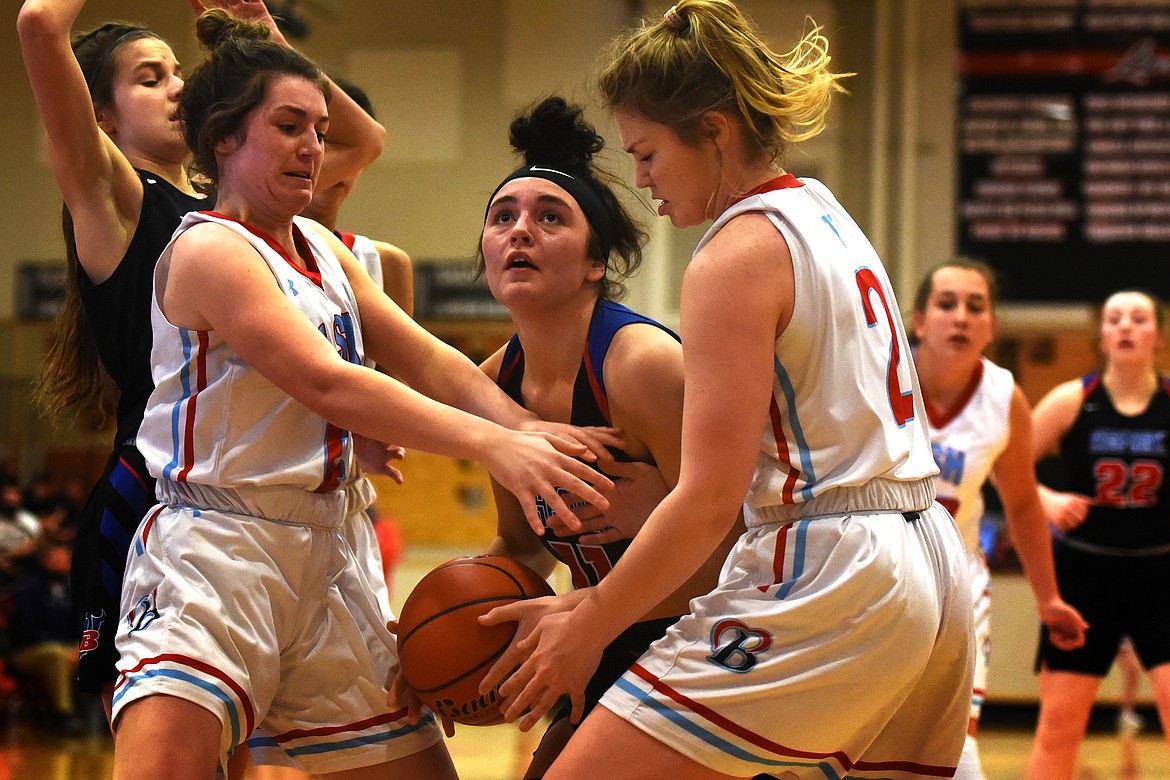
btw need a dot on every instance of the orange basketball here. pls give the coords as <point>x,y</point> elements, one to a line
<point>444,650</point>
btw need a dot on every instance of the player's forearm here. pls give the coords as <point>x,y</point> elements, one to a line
<point>453,379</point>
<point>678,538</point>
<point>1028,530</point>
<point>382,408</point>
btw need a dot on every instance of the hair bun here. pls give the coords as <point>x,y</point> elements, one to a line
<point>555,133</point>
<point>216,27</point>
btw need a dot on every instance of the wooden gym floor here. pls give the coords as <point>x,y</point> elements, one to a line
<point>502,752</point>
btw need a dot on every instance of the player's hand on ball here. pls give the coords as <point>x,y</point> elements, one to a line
<point>526,614</point>
<point>558,662</point>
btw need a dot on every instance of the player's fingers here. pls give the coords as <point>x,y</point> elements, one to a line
<point>528,502</point>
<point>520,703</point>
<point>579,485</point>
<point>535,713</point>
<point>599,440</point>
<point>503,614</point>
<point>561,510</point>
<point>590,517</point>
<point>587,483</point>
<point>196,6</point>
<point>400,697</point>
<point>629,469</point>
<point>602,536</point>
<point>578,712</point>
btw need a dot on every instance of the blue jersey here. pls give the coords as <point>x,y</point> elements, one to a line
<point>587,562</point>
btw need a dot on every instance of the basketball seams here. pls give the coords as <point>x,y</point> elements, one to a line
<point>440,637</point>
<point>453,609</point>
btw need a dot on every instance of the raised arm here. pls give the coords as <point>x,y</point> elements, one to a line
<point>355,138</point>
<point>97,182</point>
<point>1014,477</point>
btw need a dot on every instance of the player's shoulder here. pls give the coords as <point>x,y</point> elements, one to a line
<point>1065,399</point>
<point>212,237</point>
<point>492,364</point>
<point>642,345</point>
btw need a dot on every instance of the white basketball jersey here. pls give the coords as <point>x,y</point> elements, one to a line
<point>966,444</point>
<point>367,254</point>
<point>212,419</point>
<point>846,408</point>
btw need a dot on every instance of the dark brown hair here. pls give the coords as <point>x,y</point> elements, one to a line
<point>554,132</point>
<point>223,90</point>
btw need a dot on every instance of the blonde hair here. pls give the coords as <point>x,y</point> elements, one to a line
<point>705,55</point>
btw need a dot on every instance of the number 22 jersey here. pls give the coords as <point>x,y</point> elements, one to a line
<point>1120,462</point>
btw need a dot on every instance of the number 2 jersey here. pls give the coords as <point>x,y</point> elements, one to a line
<point>846,409</point>
<point>1121,462</point>
<point>211,413</point>
<point>587,562</point>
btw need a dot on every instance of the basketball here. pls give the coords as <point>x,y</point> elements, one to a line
<point>443,649</point>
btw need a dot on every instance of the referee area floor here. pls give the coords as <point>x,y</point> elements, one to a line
<point>502,752</point>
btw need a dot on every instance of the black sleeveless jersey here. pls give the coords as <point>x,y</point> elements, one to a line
<point>119,308</point>
<point>1121,462</point>
<point>587,562</point>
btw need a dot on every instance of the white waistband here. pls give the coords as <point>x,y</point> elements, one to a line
<point>271,502</point>
<point>877,495</point>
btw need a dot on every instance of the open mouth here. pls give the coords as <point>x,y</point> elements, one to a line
<point>519,261</point>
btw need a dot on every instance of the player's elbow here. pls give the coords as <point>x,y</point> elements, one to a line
<point>35,22</point>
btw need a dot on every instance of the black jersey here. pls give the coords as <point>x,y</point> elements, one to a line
<point>118,309</point>
<point>587,562</point>
<point>1121,462</point>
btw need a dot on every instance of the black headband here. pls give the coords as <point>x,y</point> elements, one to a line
<point>585,193</point>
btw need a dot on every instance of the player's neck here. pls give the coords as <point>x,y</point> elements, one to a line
<point>945,382</point>
<point>1127,384</point>
<point>553,343</point>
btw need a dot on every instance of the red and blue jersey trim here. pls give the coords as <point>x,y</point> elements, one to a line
<point>317,741</point>
<point>707,725</point>
<point>149,667</point>
<point>193,377</point>
<point>800,467</point>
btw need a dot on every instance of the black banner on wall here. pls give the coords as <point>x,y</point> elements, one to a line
<point>1064,145</point>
